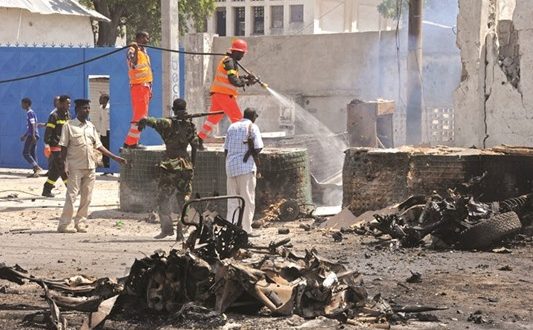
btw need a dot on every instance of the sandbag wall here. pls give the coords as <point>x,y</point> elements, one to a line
<point>283,173</point>
<point>377,178</point>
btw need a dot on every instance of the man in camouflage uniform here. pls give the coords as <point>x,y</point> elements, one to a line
<point>176,170</point>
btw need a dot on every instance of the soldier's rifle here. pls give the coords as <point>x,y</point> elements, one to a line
<point>186,116</point>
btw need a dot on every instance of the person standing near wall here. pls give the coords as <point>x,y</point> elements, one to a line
<point>47,152</point>
<point>78,140</point>
<point>243,142</point>
<point>224,88</point>
<point>100,119</point>
<point>140,75</point>
<point>176,170</point>
<point>30,137</point>
<point>52,135</point>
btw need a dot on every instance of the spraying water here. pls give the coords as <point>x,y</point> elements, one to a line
<point>326,152</point>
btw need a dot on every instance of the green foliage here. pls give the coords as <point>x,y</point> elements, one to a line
<point>394,8</point>
<point>195,11</point>
<point>145,15</point>
<point>391,8</point>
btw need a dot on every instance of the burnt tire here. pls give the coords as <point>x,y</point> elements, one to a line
<point>491,231</point>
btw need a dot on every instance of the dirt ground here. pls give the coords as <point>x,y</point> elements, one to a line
<point>497,286</point>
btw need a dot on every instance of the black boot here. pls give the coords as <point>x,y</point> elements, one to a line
<point>47,190</point>
<point>201,144</point>
<point>165,231</point>
<point>179,232</point>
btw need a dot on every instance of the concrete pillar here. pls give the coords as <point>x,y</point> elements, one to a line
<point>348,15</point>
<point>286,19</point>
<point>316,16</point>
<point>170,39</point>
<point>361,124</point>
<point>230,21</point>
<point>266,17</point>
<point>414,71</point>
<point>198,76</point>
<point>368,121</point>
<point>248,13</point>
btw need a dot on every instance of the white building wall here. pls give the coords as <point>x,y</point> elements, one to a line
<point>320,16</point>
<point>310,70</point>
<point>22,27</point>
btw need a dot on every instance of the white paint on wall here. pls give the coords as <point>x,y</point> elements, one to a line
<point>25,28</point>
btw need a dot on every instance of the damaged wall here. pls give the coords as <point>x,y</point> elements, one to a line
<point>494,101</point>
<point>283,173</point>
<point>377,178</point>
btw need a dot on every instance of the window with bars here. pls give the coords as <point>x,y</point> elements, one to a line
<point>239,21</point>
<point>258,20</point>
<point>276,17</point>
<point>296,13</point>
<point>221,21</point>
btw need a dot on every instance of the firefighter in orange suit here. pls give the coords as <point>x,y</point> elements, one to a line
<point>224,88</point>
<point>140,74</point>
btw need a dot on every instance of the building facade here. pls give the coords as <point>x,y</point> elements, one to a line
<point>282,17</point>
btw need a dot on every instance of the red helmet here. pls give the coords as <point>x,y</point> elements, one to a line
<point>239,45</point>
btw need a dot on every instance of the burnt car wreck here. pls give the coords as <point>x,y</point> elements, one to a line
<point>457,220</point>
<point>219,272</point>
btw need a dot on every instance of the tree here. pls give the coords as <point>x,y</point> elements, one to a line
<point>195,12</point>
<point>391,8</point>
<point>394,8</point>
<point>145,15</point>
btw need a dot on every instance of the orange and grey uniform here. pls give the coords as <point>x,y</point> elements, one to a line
<point>52,135</point>
<point>224,95</point>
<point>140,74</point>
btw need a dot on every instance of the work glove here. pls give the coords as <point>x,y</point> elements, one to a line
<point>141,124</point>
<point>47,152</point>
<point>250,79</point>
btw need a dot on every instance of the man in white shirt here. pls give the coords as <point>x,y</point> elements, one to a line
<point>100,119</point>
<point>243,143</point>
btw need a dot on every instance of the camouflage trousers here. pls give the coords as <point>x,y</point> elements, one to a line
<point>175,179</point>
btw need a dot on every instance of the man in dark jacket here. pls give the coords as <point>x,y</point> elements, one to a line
<point>52,135</point>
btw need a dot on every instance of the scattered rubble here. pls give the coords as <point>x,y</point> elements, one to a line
<point>189,288</point>
<point>478,318</point>
<point>287,210</point>
<point>415,277</point>
<point>458,220</point>
<point>283,231</point>
<point>506,268</point>
<point>337,236</point>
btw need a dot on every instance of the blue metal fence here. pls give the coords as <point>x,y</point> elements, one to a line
<point>23,61</point>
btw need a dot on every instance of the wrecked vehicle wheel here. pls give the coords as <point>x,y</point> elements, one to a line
<point>289,211</point>
<point>490,231</point>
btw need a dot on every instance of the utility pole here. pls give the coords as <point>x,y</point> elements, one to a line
<point>170,39</point>
<point>414,74</point>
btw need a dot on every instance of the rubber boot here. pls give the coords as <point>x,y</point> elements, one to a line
<point>47,190</point>
<point>164,233</point>
<point>179,232</point>
<point>166,230</point>
<point>201,144</point>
